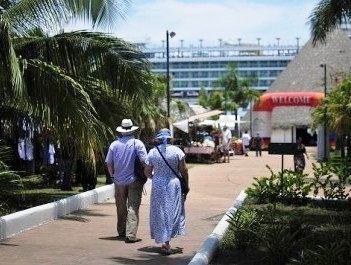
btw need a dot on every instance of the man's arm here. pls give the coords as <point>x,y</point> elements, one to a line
<point>110,169</point>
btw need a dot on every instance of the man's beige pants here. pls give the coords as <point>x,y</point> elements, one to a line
<point>128,200</point>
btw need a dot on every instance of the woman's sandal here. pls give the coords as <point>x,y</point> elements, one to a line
<point>166,249</point>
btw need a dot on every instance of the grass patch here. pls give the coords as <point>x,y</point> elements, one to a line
<point>35,191</point>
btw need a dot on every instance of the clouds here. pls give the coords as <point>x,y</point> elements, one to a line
<point>212,20</point>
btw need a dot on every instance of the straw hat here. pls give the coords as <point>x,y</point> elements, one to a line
<point>127,127</point>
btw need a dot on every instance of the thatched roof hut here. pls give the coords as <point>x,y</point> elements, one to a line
<point>306,73</point>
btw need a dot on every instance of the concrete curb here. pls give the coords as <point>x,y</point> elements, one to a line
<point>205,254</point>
<point>18,222</point>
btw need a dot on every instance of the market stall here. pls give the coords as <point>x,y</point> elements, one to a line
<point>200,146</point>
<point>199,153</point>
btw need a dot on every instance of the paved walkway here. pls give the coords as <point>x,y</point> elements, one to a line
<point>89,236</point>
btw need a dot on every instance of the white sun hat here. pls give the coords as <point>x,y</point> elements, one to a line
<point>127,127</point>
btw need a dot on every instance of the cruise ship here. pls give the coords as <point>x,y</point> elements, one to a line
<point>195,67</point>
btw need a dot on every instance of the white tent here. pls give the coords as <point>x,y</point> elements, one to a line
<point>230,121</point>
<point>204,115</point>
<point>184,124</point>
<point>226,119</point>
<point>209,123</point>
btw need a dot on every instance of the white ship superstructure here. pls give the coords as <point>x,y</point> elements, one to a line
<point>192,68</point>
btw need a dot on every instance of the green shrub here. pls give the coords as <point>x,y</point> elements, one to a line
<point>288,186</point>
<point>331,177</point>
<point>245,226</point>
<point>334,253</point>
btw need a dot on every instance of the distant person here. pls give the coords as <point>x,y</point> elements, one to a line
<point>299,156</point>
<point>67,155</point>
<point>217,154</point>
<point>128,191</point>
<point>246,138</point>
<point>216,136</point>
<point>226,143</point>
<point>86,174</point>
<point>167,211</point>
<point>258,144</point>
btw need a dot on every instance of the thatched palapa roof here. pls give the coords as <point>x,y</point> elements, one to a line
<point>306,73</point>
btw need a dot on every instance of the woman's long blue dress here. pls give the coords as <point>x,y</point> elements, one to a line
<point>167,213</point>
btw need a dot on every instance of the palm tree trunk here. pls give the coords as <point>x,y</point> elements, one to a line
<point>348,144</point>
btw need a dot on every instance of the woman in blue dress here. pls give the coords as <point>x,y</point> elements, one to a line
<point>167,213</point>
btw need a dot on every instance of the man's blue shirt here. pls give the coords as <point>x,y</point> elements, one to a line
<point>121,154</point>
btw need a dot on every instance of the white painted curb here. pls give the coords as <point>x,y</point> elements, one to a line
<point>205,254</point>
<point>18,222</point>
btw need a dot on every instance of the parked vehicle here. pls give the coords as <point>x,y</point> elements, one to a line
<point>192,93</point>
<point>177,94</point>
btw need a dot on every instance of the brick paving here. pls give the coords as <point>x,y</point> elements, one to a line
<point>89,236</point>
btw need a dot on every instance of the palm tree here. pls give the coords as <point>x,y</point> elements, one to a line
<point>237,90</point>
<point>327,16</point>
<point>213,101</point>
<point>336,112</point>
<point>77,84</point>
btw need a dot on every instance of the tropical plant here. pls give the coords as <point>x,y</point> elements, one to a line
<point>335,111</point>
<point>10,181</point>
<point>333,253</point>
<point>288,186</point>
<point>237,91</point>
<point>331,179</point>
<point>246,228</point>
<point>213,101</point>
<point>77,84</point>
<point>327,16</point>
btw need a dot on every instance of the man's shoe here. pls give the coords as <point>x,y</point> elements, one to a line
<point>132,240</point>
<point>121,237</point>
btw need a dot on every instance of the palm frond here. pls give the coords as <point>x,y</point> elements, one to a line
<point>121,66</point>
<point>54,15</point>
<point>101,14</point>
<point>327,16</point>
<point>57,96</point>
<point>11,83</point>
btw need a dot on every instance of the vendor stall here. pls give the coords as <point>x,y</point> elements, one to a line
<point>203,150</point>
<point>200,143</point>
<point>199,153</point>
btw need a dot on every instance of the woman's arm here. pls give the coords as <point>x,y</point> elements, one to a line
<point>305,152</point>
<point>184,171</point>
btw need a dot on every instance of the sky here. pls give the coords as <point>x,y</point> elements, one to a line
<point>209,21</point>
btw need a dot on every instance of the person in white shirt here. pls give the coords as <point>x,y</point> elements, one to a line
<point>226,142</point>
<point>246,138</point>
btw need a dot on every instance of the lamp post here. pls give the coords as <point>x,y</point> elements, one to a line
<point>297,45</point>
<point>171,34</point>
<point>325,157</point>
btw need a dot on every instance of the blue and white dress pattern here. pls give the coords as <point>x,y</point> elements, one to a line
<point>167,213</point>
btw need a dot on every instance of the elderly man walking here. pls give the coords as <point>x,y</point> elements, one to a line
<point>120,161</point>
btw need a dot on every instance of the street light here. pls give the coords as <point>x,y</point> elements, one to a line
<point>171,34</point>
<point>297,44</point>
<point>325,157</point>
